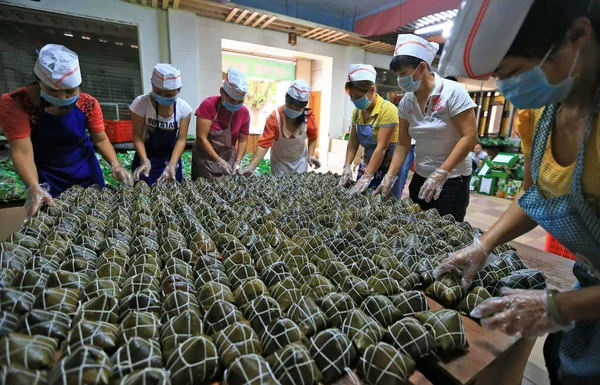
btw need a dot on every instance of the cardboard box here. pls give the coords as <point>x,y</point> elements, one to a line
<point>487,185</point>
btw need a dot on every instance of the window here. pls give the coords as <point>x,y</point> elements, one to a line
<point>108,54</point>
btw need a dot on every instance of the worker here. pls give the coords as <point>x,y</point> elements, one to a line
<point>439,114</point>
<point>374,126</point>
<point>160,126</point>
<point>47,125</point>
<point>222,129</point>
<point>556,67</point>
<point>477,156</point>
<point>286,132</point>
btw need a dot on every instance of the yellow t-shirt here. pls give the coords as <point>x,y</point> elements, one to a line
<point>384,114</point>
<point>555,180</point>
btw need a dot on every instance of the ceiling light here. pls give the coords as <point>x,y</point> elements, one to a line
<point>67,34</point>
<point>118,43</point>
<point>447,30</point>
<point>133,46</point>
<point>86,38</point>
<point>433,28</point>
<point>103,41</point>
<point>292,39</point>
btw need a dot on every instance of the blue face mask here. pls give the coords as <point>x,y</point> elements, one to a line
<point>57,101</point>
<point>292,114</point>
<point>163,101</point>
<point>408,84</point>
<point>531,89</point>
<point>232,107</point>
<point>362,103</point>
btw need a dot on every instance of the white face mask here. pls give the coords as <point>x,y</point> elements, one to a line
<point>408,84</point>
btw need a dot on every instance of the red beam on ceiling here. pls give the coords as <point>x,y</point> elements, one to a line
<point>397,16</point>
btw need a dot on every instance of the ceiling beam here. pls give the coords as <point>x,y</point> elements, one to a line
<point>154,3</point>
<point>165,4</point>
<point>335,38</point>
<point>320,34</point>
<point>327,35</point>
<point>266,24</point>
<point>260,19</point>
<point>250,18</point>
<point>231,14</point>
<point>144,2</point>
<point>311,32</point>
<point>175,4</point>
<point>241,16</point>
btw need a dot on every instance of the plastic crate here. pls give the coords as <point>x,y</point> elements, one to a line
<point>554,247</point>
<point>119,131</point>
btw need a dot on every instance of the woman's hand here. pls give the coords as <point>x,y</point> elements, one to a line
<point>120,174</point>
<point>224,167</point>
<point>432,188</point>
<point>314,162</point>
<point>386,185</point>
<point>346,175</point>
<point>362,184</point>
<point>169,173</point>
<point>143,169</point>
<point>468,261</point>
<point>36,196</point>
<point>519,312</point>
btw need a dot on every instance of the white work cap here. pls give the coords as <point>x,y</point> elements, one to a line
<point>416,46</point>
<point>58,67</point>
<point>235,85</point>
<point>299,90</point>
<point>481,36</point>
<point>166,77</point>
<point>358,72</point>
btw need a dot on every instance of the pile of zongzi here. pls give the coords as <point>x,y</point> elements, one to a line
<point>258,280</point>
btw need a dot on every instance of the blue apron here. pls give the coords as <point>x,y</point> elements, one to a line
<point>63,152</point>
<point>366,139</point>
<point>159,147</point>
<point>573,357</point>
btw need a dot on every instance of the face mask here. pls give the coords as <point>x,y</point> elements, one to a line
<point>232,107</point>
<point>362,103</point>
<point>292,114</point>
<point>531,89</point>
<point>57,101</point>
<point>164,101</point>
<point>408,84</point>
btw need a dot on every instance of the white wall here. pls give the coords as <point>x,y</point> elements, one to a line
<point>378,60</point>
<point>334,117</point>
<point>145,18</point>
<point>183,53</point>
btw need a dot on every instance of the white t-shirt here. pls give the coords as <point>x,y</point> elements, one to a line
<point>143,106</point>
<point>433,129</point>
<point>482,155</point>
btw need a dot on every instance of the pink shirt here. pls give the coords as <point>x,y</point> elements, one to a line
<point>240,122</point>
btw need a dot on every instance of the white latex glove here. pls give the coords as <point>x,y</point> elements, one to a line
<point>432,188</point>
<point>169,173</point>
<point>362,184</point>
<point>468,261</point>
<point>346,175</point>
<point>143,169</point>
<point>224,167</point>
<point>386,185</point>
<point>247,171</point>
<point>237,166</point>
<point>120,174</point>
<point>314,162</point>
<point>518,312</point>
<point>36,196</point>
